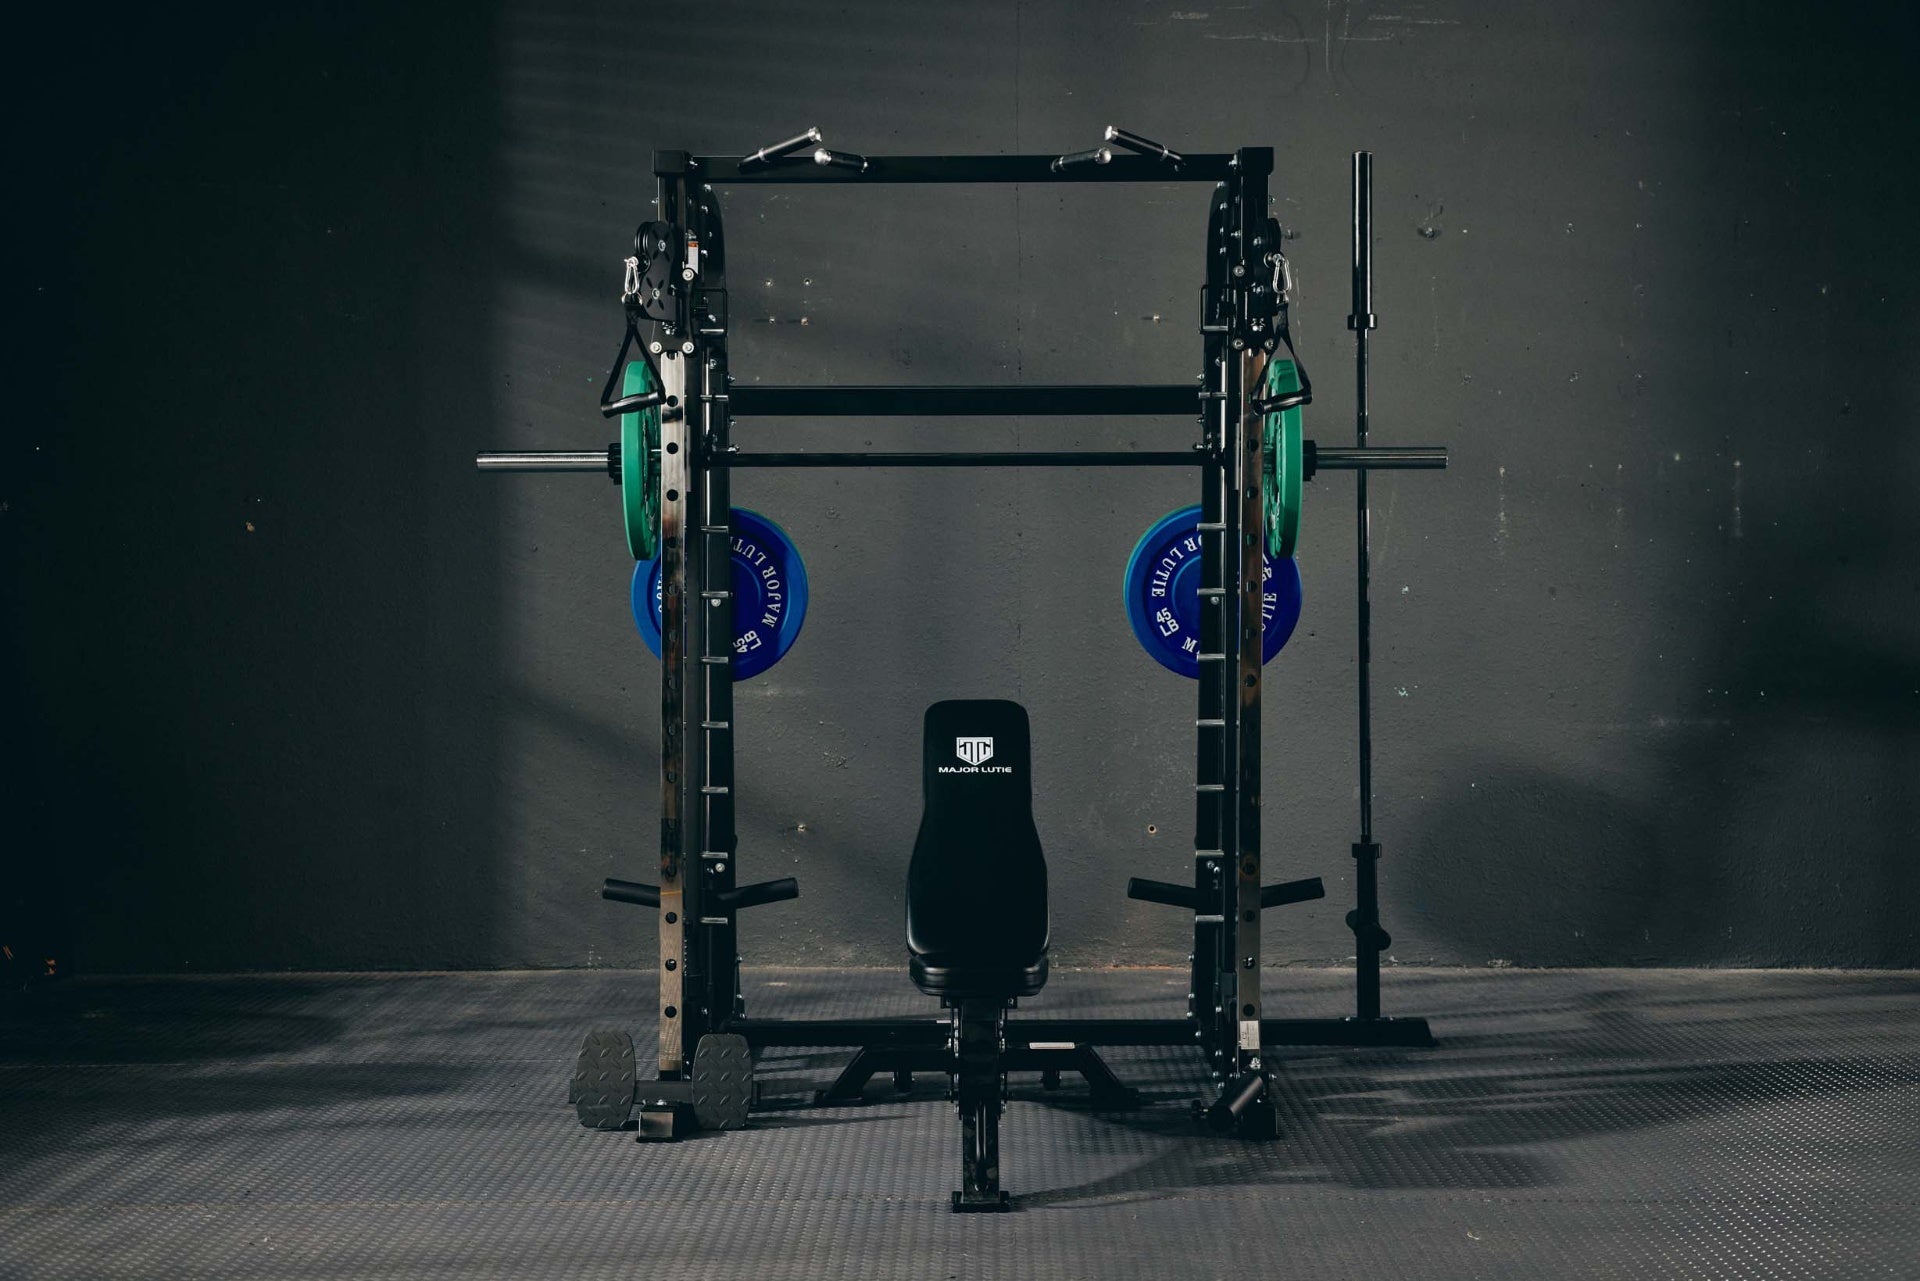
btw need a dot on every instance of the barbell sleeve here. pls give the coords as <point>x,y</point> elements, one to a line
<point>577,460</point>
<point>1382,458</point>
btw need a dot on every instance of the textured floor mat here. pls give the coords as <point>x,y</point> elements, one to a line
<point>1572,1124</point>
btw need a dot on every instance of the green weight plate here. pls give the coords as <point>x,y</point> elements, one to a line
<point>1282,465</point>
<point>640,466</point>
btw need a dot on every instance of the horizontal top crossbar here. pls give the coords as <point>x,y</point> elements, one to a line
<point>1122,168</point>
<point>835,402</point>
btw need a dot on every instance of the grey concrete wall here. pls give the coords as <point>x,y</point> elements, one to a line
<point>298,688</point>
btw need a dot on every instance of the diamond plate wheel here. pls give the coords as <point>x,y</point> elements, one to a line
<point>722,1081</point>
<point>603,1076</point>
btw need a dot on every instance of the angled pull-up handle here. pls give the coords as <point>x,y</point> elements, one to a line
<point>840,160</point>
<point>1094,156</point>
<point>1145,146</point>
<point>765,155</point>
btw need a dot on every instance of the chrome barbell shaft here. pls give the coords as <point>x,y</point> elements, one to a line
<point>594,460</point>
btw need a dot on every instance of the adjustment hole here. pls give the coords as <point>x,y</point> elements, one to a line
<point>672,917</point>
<point>1246,1011</point>
<point>669,1012</point>
<point>673,495</point>
<point>673,447</point>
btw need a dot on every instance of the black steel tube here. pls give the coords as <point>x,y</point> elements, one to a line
<point>885,402</point>
<point>1216,167</point>
<point>1362,321</point>
<point>1163,892</point>
<point>1288,892</point>
<point>1234,1100</point>
<point>630,892</point>
<point>1381,458</point>
<point>1366,911</point>
<point>1017,458</point>
<point>759,893</point>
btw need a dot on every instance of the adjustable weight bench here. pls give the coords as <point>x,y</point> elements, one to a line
<point>977,911</point>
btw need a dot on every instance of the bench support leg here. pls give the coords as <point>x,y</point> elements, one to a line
<point>979,1079</point>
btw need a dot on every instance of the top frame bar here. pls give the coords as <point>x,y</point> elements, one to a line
<point>717,170</point>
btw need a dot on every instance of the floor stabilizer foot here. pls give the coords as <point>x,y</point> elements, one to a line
<point>994,1203</point>
<point>603,1080</point>
<point>722,1081</point>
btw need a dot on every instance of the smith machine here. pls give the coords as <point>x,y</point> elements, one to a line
<point>678,402</point>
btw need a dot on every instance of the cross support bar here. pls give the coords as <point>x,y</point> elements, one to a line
<point>955,402</point>
<point>716,170</point>
<point>1015,458</point>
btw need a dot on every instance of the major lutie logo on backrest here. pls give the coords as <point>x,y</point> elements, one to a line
<point>973,751</point>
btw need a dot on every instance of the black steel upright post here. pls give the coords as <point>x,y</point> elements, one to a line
<point>1212,714</point>
<point>680,770</point>
<point>703,276</point>
<point>1246,562</point>
<point>1369,938</point>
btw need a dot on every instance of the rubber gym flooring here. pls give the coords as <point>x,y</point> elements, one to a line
<point>1573,1124</point>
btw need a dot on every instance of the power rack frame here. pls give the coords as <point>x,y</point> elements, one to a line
<point>1243,317</point>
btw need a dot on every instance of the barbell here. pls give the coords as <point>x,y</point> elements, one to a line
<point>1161,582</point>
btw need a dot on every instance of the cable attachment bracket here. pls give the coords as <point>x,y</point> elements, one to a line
<point>647,292</point>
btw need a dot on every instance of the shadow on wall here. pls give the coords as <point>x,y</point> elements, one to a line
<point>256,585</point>
<point>1773,818</point>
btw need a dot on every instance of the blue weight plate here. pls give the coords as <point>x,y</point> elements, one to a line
<point>769,595</point>
<point>1163,594</point>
